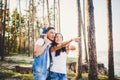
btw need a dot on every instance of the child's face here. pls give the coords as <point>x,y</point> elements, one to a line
<point>45,24</point>
<point>58,38</point>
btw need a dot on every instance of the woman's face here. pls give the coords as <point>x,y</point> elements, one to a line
<point>58,38</point>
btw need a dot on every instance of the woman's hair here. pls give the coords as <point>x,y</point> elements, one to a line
<point>57,52</point>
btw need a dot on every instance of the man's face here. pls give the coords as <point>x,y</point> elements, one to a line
<point>51,34</point>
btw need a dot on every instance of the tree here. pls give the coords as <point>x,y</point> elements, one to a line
<point>1,28</point>
<point>19,49</point>
<point>4,29</point>
<point>32,11</point>
<point>43,10</point>
<point>15,30</point>
<point>48,12</point>
<point>92,75</point>
<point>84,33</point>
<point>79,63</point>
<point>110,42</point>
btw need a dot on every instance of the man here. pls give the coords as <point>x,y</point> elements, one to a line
<point>41,55</point>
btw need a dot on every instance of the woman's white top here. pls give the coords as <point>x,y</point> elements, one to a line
<point>59,63</point>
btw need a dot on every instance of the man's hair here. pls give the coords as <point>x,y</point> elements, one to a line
<point>49,28</point>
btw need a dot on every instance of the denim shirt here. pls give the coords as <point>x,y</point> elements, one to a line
<point>40,62</point>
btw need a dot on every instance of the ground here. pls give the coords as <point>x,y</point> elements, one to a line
<point>8,71</point>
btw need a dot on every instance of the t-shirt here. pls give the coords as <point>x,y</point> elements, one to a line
<point>41,42</point>
<point>59,63</point>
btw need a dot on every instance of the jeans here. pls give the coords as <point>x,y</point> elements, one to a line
<point>57,76</point>
<point>39,74</point>
<point>39,66</point>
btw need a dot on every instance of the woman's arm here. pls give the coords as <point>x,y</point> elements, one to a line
<point>70,47</point>
<point>63,44</point>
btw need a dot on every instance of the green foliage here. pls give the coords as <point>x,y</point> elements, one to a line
<point>15,17</point>
<point>102,77</point>
<point>71,60</point>
<point>10,75</point>
<point>20,62</point>
<point>22,20</point>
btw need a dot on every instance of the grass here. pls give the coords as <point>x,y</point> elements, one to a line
<point>19,62</point>
<point>85,76</point>
<point>10,75</point>
<point>71,60</point>
<point>7,73</point>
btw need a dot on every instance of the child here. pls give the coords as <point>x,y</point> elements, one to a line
<point>43,29</point>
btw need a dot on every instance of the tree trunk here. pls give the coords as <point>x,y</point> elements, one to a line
<point>31,25</point>
<point>1,28</point>
<point>84,33</point>
<point>29,38</point>
<point>19,49</point>
<point>4,29</point>
<point>43,10</point>
<point>59,16</point>
<point>92,75</point>
<point>110,42</point>
<point>9,29</point>
<point>54,12</point>
<point>48,12</point>
<point>29,35</point>
<point>79,63</point>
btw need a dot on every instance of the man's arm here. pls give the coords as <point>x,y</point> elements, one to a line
<point>38,49</point>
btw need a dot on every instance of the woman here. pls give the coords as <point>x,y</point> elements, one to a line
<point>58,69</point>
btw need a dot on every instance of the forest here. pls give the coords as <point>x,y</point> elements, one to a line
<point>19,32</point>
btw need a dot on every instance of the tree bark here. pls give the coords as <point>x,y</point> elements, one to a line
<point>1,29</point>
<point>92,75</point>
<point>84,33</point>
<point>4,29</point>
<point>110,42</point>
<point>47,1</point>
<point>79,62</point>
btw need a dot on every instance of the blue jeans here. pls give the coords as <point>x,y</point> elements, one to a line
<point>39,74</point>
<point>39,66</point>
<point>57,76</point>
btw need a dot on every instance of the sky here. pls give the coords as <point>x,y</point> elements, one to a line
<point>69,22</point>
<point>68,11</point>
